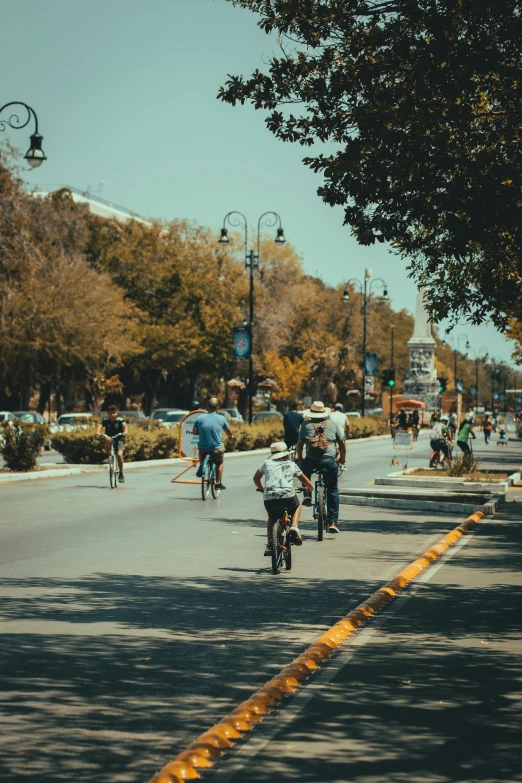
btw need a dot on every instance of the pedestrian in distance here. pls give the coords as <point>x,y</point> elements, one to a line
<point>292,424</point>
<point>279,492</point>
<point>487,427</point>
<point>340,419</point>
<point>402,420</point>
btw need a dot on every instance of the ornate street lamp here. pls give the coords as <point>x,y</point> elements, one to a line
<point>35,154</point>
<point>366,291</point>
<point>238,220</point>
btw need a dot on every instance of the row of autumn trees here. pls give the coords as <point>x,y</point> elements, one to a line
<point>95,310</point>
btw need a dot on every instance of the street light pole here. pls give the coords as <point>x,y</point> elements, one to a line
<point>35,154</point>
<point>237,219</point>
<point>366,291</point>
<point>392,367</point>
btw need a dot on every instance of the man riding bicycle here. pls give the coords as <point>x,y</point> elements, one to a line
<point>115,430</point>
<point>292,422</point>
<point>322,437</point>
<point>209,426</point>
<point>279,492</point>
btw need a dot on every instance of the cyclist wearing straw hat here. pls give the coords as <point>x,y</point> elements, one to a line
<point>321,436</point>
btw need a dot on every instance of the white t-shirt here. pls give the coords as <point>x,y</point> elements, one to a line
<point>279,478</point>
<point>339,419</point>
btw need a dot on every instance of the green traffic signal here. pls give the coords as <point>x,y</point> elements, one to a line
<point>391,382</point>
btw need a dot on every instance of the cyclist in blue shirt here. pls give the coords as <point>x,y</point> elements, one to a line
<point>209,426</point>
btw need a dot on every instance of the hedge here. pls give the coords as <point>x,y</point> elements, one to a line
<point>83,447</point>
<point>21,444</point>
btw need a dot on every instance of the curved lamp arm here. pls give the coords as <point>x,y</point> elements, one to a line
<point>35,154</point>
<point>270,219</point>
<point>235,219</point>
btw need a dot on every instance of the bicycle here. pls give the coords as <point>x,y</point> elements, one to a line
<point>440,459</point>
<point>208,478</point>
<point>113,463</point>
<point>281,544</point>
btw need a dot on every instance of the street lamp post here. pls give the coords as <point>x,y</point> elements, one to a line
<point>366,290</point>
<point>392,366</point>
<point>479,358</point>
<point>455,351</point>
<point>35,154</point>
<point>238,220</point>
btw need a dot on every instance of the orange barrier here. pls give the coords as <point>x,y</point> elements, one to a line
<point>209,747</point>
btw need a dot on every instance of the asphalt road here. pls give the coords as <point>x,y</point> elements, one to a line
<point>132,619</point>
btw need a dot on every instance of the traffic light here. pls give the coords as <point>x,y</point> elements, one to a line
<point>443,382</point>
<point>388,377</point>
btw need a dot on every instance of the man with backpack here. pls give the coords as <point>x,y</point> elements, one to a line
<point>321,437</point>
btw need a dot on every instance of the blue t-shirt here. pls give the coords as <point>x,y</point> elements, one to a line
<point>210,426</point>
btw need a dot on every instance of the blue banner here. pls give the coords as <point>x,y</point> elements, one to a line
<point>473,391</point>
<point>459,385</point>
<point>242,342</point>
<point>495,394</point>
<point>370,363</point>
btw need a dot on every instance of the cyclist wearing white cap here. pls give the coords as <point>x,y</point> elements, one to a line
<point>279,492</point>
<point>209,426</point>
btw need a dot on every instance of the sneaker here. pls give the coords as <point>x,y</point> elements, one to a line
<point>332,528</point>
<point>121,478</point>
<point>295,536</point>
<point>268,550</point>
<point>199,471</point>
<point>307,500</point>
<point>220,486</point>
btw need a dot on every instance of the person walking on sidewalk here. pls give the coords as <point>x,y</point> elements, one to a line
<point>321,437</point>
<point>465,433</point>
<point>487,426</point>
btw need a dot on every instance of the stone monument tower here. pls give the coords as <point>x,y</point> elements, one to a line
<point>421,379</point>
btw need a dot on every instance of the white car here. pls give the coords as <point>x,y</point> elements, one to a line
<point>7,416</point>
<point>173,418</point>
<point>354,414</point>
<point>71,421</point>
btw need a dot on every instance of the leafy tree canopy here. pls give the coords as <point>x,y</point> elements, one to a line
<point>419,103</point>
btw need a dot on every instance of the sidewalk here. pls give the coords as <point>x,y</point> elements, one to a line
<point>430,691</point>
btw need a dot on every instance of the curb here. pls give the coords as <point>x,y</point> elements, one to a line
<point>206,749</point>
<point>151,463</point>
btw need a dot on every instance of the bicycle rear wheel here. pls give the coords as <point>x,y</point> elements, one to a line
<point>321,513</point>
<point>277,548</point>
<point>215,490</point>
<point>206,479</point>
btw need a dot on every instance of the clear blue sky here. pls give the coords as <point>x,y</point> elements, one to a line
<point>125,91</point>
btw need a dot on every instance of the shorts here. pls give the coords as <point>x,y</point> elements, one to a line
<point>218,454</point>
<point>276,507</point>
<point>119,442</point>
<point>440,445</point>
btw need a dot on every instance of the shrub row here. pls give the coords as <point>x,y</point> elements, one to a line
<point>21,444</point>
<point>83,447</point>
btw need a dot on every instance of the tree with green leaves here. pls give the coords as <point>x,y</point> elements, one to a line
<point>417,106</point>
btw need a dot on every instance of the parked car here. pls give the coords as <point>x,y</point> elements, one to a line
<point>160,413</point>
<point>261,416</point>
<point>33,417</point>
<point>71,421</point>
<point>133,416</point>
<point>173,417</point>
<point>7,416</point>
<point>354,414</point>
<point>375,411</point>
<point>234,414</point>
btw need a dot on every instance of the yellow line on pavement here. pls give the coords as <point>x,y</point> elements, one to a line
<point>208,747</point>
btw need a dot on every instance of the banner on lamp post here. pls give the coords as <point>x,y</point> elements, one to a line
<point>459,385</point>
<point>370,364</point>
<point>369,387</point>
<point>242,342</point>
<point>473,391</point>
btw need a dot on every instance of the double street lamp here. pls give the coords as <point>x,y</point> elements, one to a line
<point>366,290</point>
<point>456,348</point>
<point>35,154</point>
<point>238,220</point>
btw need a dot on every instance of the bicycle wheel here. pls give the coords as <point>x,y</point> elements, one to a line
<point>205,479</point>
<point>113,472</point>
<point>215,490</point>
<point>321,512</point>
<point>277,548</point>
